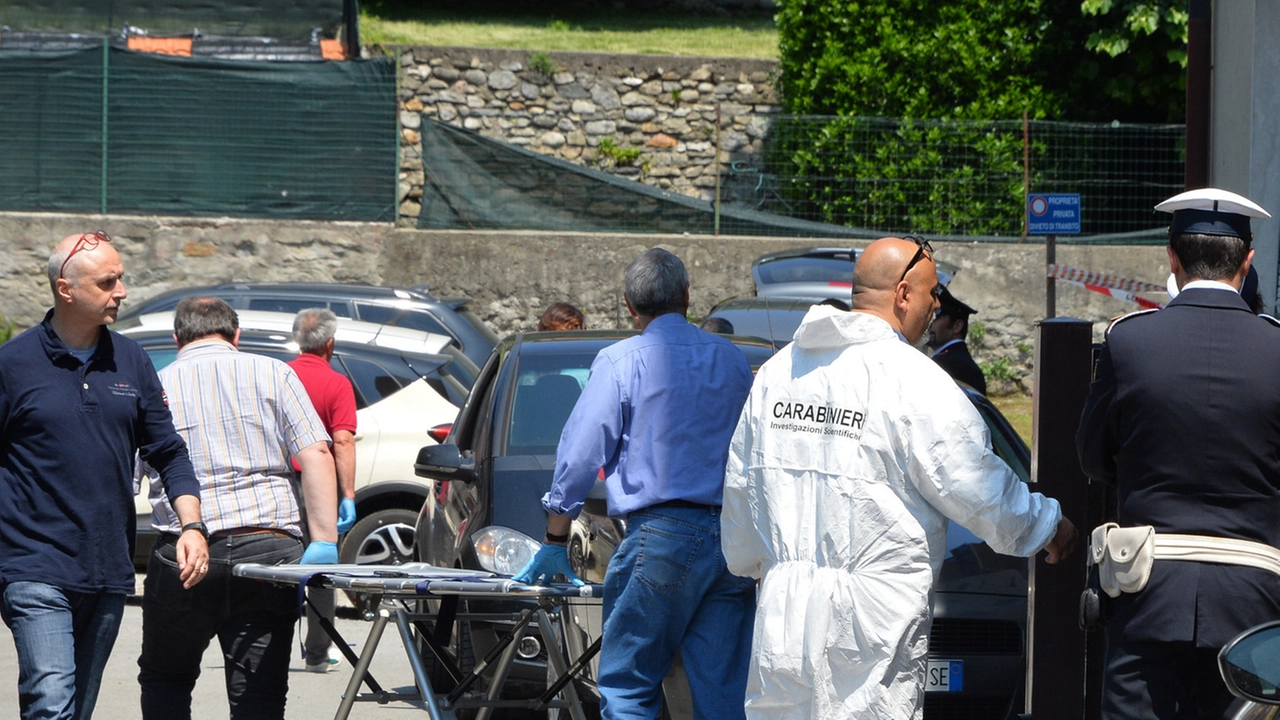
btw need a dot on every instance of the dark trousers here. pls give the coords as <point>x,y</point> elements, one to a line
<point>1164,681</point>
<point>252,620</point>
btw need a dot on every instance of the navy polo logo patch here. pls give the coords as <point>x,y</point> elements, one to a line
<point>123,389</point>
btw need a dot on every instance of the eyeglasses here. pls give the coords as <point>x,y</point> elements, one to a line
<point>87,241</point>
<point>922,247</point>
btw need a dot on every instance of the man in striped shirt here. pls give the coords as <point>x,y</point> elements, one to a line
<point>242,416</point>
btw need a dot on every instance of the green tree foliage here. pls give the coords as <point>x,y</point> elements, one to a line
<point>984,59</point>
<point>965,61</point>
<point>1145,42</point>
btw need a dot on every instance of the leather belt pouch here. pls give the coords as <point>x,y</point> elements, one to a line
<point>1124,557</point>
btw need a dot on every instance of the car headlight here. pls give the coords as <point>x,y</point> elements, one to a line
<point>503,550</point>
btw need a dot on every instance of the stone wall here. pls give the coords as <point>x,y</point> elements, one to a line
<point>651,118</point>
<point>513,276</point>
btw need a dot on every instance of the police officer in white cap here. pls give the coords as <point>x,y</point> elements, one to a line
<point>1184,418</point>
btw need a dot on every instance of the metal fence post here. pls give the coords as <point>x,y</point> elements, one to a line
<point>106,71</point>
<point>1056,661</point>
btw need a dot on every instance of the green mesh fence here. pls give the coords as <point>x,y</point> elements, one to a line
<point>953,179</point>
<point>473,182</point>
<point>134,133</point>
<point>266,18</point>
<point>828,177</point>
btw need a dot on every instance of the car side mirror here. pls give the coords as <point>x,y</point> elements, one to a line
<point>1250,664</point>
<point>444,462</point>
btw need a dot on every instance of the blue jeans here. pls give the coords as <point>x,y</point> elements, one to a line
<point>667,589</point>
<point>252,620</point>
<point>63,640</point>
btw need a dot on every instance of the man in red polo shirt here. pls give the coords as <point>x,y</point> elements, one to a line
<point>335,403</point>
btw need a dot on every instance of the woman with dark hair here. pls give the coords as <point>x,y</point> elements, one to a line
<point>561,316</point>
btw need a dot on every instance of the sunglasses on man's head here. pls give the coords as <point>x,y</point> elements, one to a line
<point>87,241</point>
<point>922,247</point>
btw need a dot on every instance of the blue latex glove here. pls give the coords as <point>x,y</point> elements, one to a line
<point>346,515</point>
<point>550,560</point>
<point>320,553</point>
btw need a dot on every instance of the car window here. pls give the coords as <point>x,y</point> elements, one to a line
<point>293,305</point>
<point>156,306</point>
<point>401,317</point>
<point>547,387</point>
<point>776,325</point>
<point>373,381</point>
<point>1005,441</point>
<point>478,409</point>
<point>806,269</point>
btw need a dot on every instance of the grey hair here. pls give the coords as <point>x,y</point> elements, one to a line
<point>55,264</point>
<point>313,327</point>
<point>655,283</point>
<point>198,317</point>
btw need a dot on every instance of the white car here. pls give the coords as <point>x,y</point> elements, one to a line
<point>407,383</point>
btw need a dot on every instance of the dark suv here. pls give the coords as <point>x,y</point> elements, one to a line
<point>413,308</point>
<point>498,460</point>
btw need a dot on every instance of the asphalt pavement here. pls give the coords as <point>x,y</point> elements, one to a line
<point>312,696</point>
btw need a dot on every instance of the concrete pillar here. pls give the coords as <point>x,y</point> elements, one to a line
<point>1245,124</point>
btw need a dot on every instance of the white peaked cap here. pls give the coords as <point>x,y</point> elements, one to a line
<point>1213,199</point>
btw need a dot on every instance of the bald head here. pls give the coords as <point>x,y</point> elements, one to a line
<point>895,280</point>
<point>87,279</point>
<point>880,266</point>
<point>74,254</point>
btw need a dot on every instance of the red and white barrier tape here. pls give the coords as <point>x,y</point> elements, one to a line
<point>1101,280</point>
<point>1118,294</point>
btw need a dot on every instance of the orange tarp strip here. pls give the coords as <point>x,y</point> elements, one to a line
<point>332,50</point>
<point>162,46</point>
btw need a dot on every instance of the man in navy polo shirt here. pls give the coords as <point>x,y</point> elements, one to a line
<point>76,403</point>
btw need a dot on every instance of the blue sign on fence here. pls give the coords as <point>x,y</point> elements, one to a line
<point>1053,214</point>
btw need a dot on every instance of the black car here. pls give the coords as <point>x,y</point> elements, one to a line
<point>412,307</point>
<point>498,460</point>
<point>405,382</point>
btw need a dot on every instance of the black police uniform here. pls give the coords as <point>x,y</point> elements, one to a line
<point>1184,417</point>
<point>959,364</point>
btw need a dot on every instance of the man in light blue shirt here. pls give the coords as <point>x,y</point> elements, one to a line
<point>657,414</point>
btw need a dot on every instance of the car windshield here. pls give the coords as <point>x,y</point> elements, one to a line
<point>547,387</point>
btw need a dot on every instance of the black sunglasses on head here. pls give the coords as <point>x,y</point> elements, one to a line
<point>922,247</point>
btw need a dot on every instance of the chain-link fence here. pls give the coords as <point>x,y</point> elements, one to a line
<point>953,179</point>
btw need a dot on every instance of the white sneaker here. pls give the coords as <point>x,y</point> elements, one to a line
<point>320,667</point>
<point>335,655</point>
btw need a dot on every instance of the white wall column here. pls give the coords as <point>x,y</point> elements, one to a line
<point>1245,124</point>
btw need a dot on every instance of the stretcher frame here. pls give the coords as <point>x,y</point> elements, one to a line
<point>399,585</point>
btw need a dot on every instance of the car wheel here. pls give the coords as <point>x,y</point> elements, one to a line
<point>384,538</point>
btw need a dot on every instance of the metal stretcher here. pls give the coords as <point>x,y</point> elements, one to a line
<point>402,586</point>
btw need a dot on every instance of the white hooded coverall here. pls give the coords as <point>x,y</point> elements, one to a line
<point>851,453</point>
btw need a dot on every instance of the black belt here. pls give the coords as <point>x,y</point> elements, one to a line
<point>683,504</point>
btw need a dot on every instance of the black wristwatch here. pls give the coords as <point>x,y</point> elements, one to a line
<point>199,526</point>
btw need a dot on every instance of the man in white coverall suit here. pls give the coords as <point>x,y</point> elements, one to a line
<point>852,452</point>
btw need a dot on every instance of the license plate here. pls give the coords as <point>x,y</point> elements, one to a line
<point>945,676</point>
